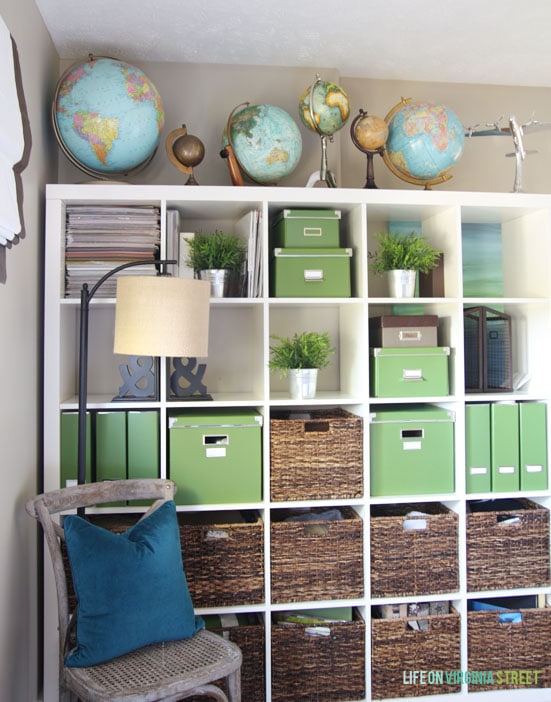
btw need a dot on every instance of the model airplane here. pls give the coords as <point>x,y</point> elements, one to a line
<point>517,132</point>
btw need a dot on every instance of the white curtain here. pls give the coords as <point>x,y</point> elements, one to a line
<point>12,141</point>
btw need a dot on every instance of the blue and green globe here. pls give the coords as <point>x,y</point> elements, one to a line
<point>424,141</point>
<point>107,116</point>
<point>266,142</point>
<point>324,107</point>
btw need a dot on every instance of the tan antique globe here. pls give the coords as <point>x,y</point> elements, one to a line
<point>371,132</point>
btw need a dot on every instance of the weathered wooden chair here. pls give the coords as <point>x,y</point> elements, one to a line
<point>169,671</point>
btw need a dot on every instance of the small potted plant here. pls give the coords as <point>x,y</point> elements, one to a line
<point>300,357</point>
<point>401,256</point>
<point>215,257</point>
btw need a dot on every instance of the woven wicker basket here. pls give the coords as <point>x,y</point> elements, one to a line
<point>223,558</point>
<point>501,556</point>
<point>413,562</point>
<point>500,646</point>
<point>251,640</point>
<point>316,458</point>
<point>318,668</point>
<point>396,650</point>
<point>317,560</point>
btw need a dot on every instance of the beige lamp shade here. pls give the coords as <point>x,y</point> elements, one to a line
<point>162,316</point>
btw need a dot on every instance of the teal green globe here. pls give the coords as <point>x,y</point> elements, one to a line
<point>327,104</point>
<point>424,141</point>
<point>266,142</point>
<point>107,116</point>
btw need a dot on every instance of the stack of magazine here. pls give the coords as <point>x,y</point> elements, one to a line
<point>100,238</point>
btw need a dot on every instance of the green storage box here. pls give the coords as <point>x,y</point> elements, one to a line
<point>412,451</point>
<point>216,457</point>
<point>311,272</point>
<point>307,228</point>
<point>409,372</point>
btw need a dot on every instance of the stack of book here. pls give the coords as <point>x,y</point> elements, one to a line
<point>100,238</point>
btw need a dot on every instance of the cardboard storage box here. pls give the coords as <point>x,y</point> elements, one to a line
<point>507,544</point>
<point>410,372</point>
<point>216,457</point>
<point>311,272</point>
<point>307,228</point>
<point>412,450</point>
<point>400,330</point>
<point>325,663</point>
<point>414,550</point>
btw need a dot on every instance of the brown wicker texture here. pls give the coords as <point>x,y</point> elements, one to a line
<point>318,458</point>
<point>317,560</point>
<point>413,562</point>
<point>500,647</point>
<point>396,650</point>
<point>318,668</point>
<point>223,559</point>
<point>501,556</point>
<point>251,640</point>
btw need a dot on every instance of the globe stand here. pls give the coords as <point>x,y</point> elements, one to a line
<point>324,177</point>
<point>185,152</point>
<point>370,153</point>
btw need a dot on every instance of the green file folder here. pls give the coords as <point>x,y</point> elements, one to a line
<point>505,446</point>
<point>533,445</point>
<point>110,446</point>
<point>143,444</point>
<point>477,447</point>
<point>69,449</point>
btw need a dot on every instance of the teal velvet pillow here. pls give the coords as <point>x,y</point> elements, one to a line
<point>131,588</point>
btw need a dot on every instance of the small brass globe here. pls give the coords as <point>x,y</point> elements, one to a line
<point>185,151</point>
<point>188,150</point>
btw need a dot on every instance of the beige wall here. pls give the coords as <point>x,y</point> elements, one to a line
<point>20,361</point>
<point>202,97</point>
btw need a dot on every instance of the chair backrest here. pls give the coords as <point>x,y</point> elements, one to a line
<point>45,507</point>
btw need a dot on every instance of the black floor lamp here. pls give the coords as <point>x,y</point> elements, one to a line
<point>156,315</point>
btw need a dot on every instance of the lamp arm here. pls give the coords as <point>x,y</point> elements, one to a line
<point>85,297</point>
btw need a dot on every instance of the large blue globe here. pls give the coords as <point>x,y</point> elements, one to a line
<point>266,141</point>
<point>107,116</point>
<point>424,141</point>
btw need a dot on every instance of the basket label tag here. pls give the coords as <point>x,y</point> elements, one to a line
<point>478,470</point>
<point>506,470</point>
<point>534,468</point>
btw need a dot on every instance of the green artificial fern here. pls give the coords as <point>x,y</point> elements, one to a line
<point>403,252</point>
<point>304,350</point>
<point>215,251</point>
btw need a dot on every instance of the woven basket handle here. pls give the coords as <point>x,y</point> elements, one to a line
<point>215,534</point>
<point>316,426</point>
